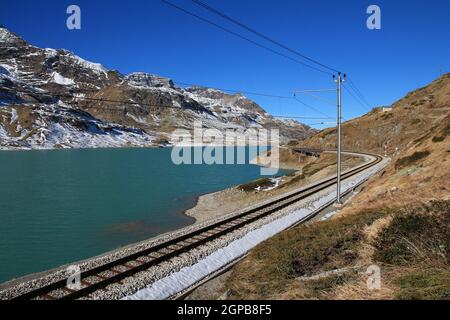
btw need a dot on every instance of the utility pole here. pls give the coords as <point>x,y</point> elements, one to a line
<point>339,83</point>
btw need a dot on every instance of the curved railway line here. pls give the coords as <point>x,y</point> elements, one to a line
<point>116,271</point>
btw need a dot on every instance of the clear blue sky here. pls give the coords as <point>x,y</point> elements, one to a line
<point>410,50</point>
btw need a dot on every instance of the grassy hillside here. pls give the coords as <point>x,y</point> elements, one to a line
<point>329,260</point>
<point>413,117</point>
<point>400,221</point>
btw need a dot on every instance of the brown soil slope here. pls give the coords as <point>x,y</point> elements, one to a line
<point>400,221</point>
<point>419,126</point>
<point>412,118</point>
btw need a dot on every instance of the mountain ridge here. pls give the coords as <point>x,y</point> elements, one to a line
<point>68,102</point>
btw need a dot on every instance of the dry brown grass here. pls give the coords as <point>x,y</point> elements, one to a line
<point>294,264</point>
<point>25,119</point>
<point>284,260</point>
<point>417,234</point>
<point>411,181</point>
<point>412,159</point>
<point>319,168</point>
<point>288,159</point>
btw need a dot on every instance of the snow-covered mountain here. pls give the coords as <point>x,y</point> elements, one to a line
<point>55,99</point>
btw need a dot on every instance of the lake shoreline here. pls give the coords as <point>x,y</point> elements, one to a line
<point>201,211</point>
<point>212,199</point>
<point>217,204</point>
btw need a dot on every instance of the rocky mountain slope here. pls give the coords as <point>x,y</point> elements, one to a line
<point>55,99</point>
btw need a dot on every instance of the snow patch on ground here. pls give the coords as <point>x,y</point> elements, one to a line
<point>3,134</point>
<point>10,70</point>
<point>5,69</point>
<point>177,282</point>
<point>58,126</point>
<point>59,79</point>
<point>14,116</point>
<point>137,119</point>
<point>328,215</point>
<point>68,137</point>
<point>275,184</point>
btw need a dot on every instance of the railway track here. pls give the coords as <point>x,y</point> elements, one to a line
<point>100,277</point>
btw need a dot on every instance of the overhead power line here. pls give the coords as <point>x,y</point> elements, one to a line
<point>131,103</point>
<point>235,91</point>
<point>320,123</point>
<point>359,93</point>
<point>211,9</point>
<point>315,90</point>
<point>311,107</point>
<point>78,97</point>
<point>351,83</point>
<point>138,104</point>
<point>269,95</point>
<point>357,99</point>
<point>306,118</point>
<point>332,103</point>
<point>243,37</point>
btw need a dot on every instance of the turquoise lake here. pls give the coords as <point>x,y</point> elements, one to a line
<point>62,206</point>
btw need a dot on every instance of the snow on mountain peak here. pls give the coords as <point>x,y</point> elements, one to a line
<point>50,53</point>
<point>95,67</point>
<point>89,65</point>
<point>7,36</point>
<point>36,70</point>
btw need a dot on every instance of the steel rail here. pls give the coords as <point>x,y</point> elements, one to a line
<point>186,292</point>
